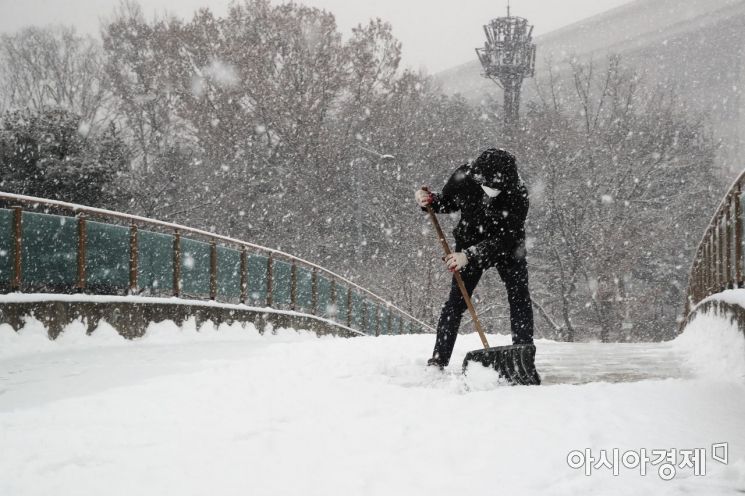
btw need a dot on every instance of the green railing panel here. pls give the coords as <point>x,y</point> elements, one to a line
<point>257,279</point>
<point>358,311</point>
<point>49,250</point>
<point>228,274</point>
<point>7,247</point>
<point>371,317</point>
<point>395,325</point>
<point>742,241</point>
<point>342,312</point>
<point>195,268</point>
<point>406,327</point>
<point>733,243</point>
<point>723,231</point>
<point>383,317</point>
<point>323,286</point>
<point>154,262</point>
<point>107,256</point>
<point>281,284</point>
<point>304,290</point>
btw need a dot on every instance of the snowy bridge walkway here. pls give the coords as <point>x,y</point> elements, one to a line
<point>581,363</point>
<point>234,412</point>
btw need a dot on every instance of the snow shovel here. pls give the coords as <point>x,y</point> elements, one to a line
<point>515,363</point>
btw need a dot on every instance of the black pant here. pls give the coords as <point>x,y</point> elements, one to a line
<point>514,273</point>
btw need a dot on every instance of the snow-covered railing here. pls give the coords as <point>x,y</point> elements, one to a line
<point>68,251</point>
<point>718,263</point>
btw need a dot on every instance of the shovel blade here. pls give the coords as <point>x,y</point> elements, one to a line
<point>515,363</point>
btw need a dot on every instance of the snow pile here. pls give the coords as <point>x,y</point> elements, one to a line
<point>733,296</point>
<point>33,338</point>
<point>233,412</point>
<point>714,346</point>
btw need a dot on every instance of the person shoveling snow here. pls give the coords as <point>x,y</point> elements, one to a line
<point>493,203</point>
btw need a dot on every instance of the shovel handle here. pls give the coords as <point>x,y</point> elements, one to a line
<point>456,274</point>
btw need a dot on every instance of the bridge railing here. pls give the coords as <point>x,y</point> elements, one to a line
<point>718,262</point>
<point>53,246</point>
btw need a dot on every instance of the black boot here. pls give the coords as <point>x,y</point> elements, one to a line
<point>436,362</point>
<point>527,355</point>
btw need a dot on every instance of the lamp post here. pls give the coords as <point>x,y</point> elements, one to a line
<point>508,57</point>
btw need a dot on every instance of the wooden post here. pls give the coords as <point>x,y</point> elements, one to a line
<point>363,320</point>
<point>269,282</point>
<point>691,295</point>
<point>729,231</point>
<point>738,237</point>
<point>17,246</point>
<point>82,242</point>
<point>723,247</point>
<point>705,271</point>
<point>714,263</point>
<point>133,255</point>
<point>244,275</point>
<point>702,272</point>
<point>722,253</point>
<point>332,299</point>
<point>709,264</point>
<point>377,320</point>
<point>349,307</point>
<point>293,286</point>
<point>177,264</point>
<point>717,257</point>
<point>213,270</point>
<point>314,292</point>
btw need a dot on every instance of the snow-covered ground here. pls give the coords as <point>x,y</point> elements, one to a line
<point>226,412</point>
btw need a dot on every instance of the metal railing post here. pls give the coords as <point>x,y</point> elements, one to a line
<point>364,320</point>
<point>17,247</point>
<point>728,246</point>
<point>269,280</point>
<point>177,264</point>
<point>377,320</point>
<point>82,244</point>
<point>717,254</point>
<point>702,275</point>
<point>213,270</point>
<point>293,286</point>
<point>314,292</point>
<point>133,259</point>
<point>712,262</point>
<point>349,307</point>
<point>738,236</point>
<point>332,299</point>
<point>244,276</point>
<point>721,243</point>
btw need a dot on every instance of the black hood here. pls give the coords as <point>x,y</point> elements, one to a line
<point>495,168</point>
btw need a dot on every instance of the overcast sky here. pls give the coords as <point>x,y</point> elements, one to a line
<point>436,34</point>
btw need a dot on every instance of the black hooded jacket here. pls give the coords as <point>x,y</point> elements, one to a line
<point>490,226</point>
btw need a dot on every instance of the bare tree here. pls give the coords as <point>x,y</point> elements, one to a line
<point>618,164</point>
<point>55,67</point>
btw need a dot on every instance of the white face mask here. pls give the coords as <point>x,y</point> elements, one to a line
<point>490,192</point>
